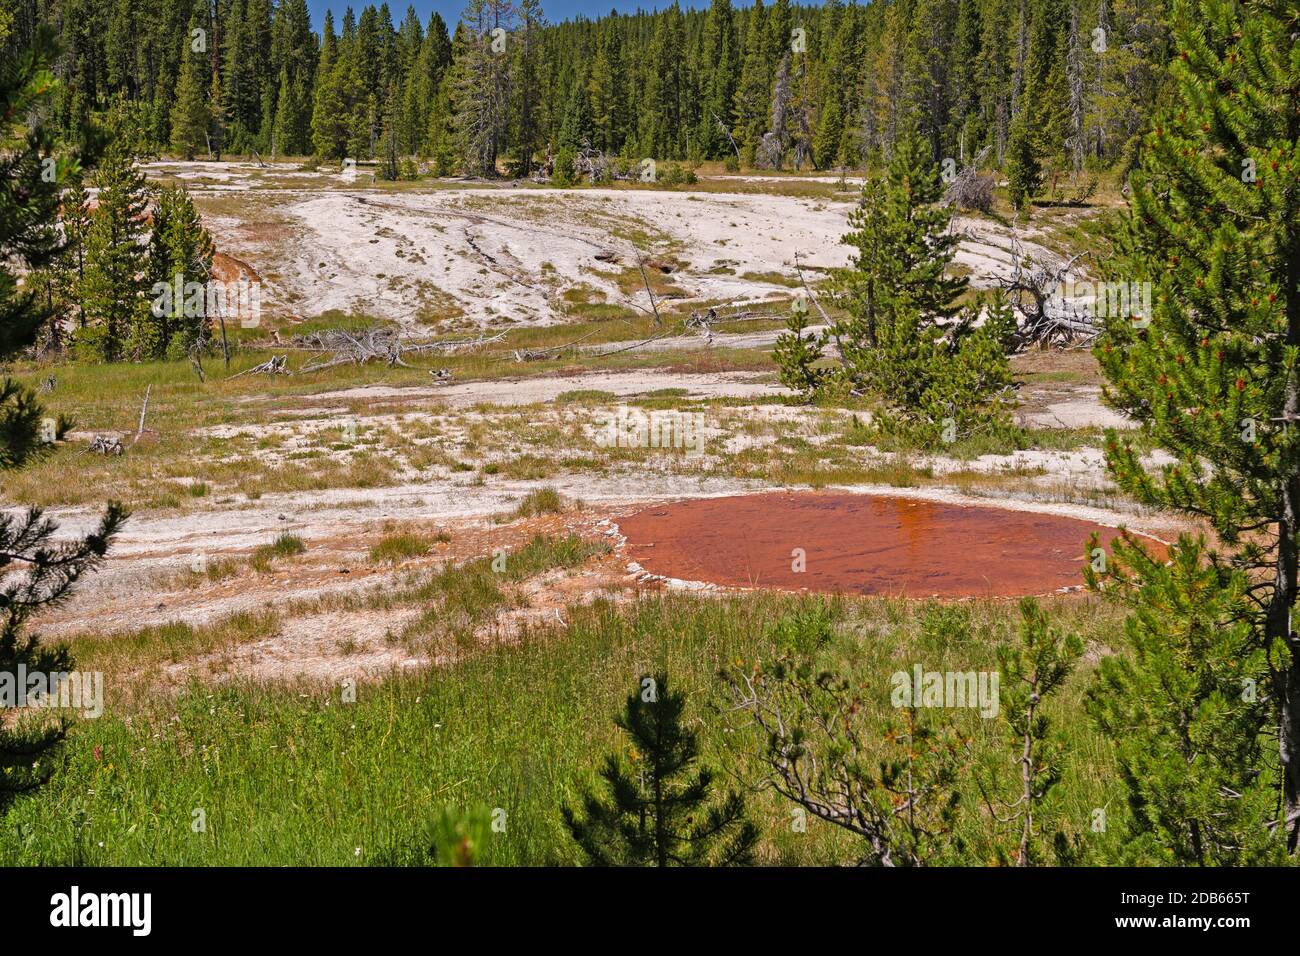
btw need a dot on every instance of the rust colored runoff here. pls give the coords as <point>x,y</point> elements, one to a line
<point>861,544</point>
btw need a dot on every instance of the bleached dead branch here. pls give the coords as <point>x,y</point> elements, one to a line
<point>106,445</point>
<point>971,188</point>
<point>1044,316</point>
<point>534,355</point>
<point>275,365</point>
<point>382,345</point>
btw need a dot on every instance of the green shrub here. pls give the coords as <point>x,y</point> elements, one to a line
<point>542,501</point>
<point>285,546</point>
<point>564,175</point>
<point>399,547</point>
<point>677,175</point>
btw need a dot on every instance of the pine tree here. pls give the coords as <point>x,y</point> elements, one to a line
<point>240,75</point>
<point>119,50</point>
<point>287,78</point>
<point>778,28</point>
<point>892,108</point>
<point>409,41</point>
<point>1210,372</point>
<point>180,252</point>
<point>363,118</point>
<point>329,112</point>
<point>299,53</point>
<point>1186,711</point>
<point>1131,60</point>
<point>217,118</point>
<point>118,322</point>
<point>1018,61</point>
<point>527,50</point>
<point>929,85</point>
<point>190,116</point>
<point>416,94</point>
<point>993,78</point>
<point>941,375</point>
<point>830,135</point>
<point>366,50</point>
<point>840,99</point>
<point>661,811</point>
<point>802,109</point>
<point>29,236</point>
<point>36,571</point>
<point>71,266</point>
<point>662,131</point>
<point>753,91</point>
<point>388,145</point>
<point>297,117</point>
<point>1102,90</point>
<point>576,127</point>
<point>1024,173</point>
<point>563,171</point>
<point>797,353</point>
<point>1033,671</point>
<point>442,143</point>
<point>940,383</point>
<point>967,52</point>
<point>902,245</point>
<point>287,128</point>
<point>1046,90</point>
<point>259,29</point>
<point>480,86</point>
<point>1076,142</point>
<point>721,60</point>
<point>606,94</point>
<point>354,86</point>
<point>39,572</point>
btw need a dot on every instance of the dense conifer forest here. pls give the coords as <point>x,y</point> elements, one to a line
<point>780,85</point>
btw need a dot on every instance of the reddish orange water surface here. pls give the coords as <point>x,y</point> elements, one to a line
<point>863,544</point>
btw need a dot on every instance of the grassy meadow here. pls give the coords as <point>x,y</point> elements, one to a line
<point>297,775</point>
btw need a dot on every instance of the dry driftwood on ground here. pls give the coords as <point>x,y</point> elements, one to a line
<point>1044,316</point>
<point>106,445</point>
<point>341,347</point>
<point>971,188</point>
<point>275,365</point>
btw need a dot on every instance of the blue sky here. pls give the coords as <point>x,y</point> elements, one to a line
<point>556,10</point>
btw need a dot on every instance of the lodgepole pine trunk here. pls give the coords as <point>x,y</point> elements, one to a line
<point>1278,620</point>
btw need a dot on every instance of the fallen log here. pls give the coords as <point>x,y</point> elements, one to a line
<point>275,365</point>
<point>106,445</point>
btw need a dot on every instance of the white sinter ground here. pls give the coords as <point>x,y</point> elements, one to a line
<point>507,255</point>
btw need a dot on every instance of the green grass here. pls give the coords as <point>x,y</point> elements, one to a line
<point>457,599</point>
<point>293,775</point>
<point>585,395</point>
<point>399,547</point>
<point>793,462</point>
<point>542,501</point>
<point>209,572</point>
<point>334,319</point>
<point>285,546</point>
<point>526,468</point>
<point>171,643</point>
